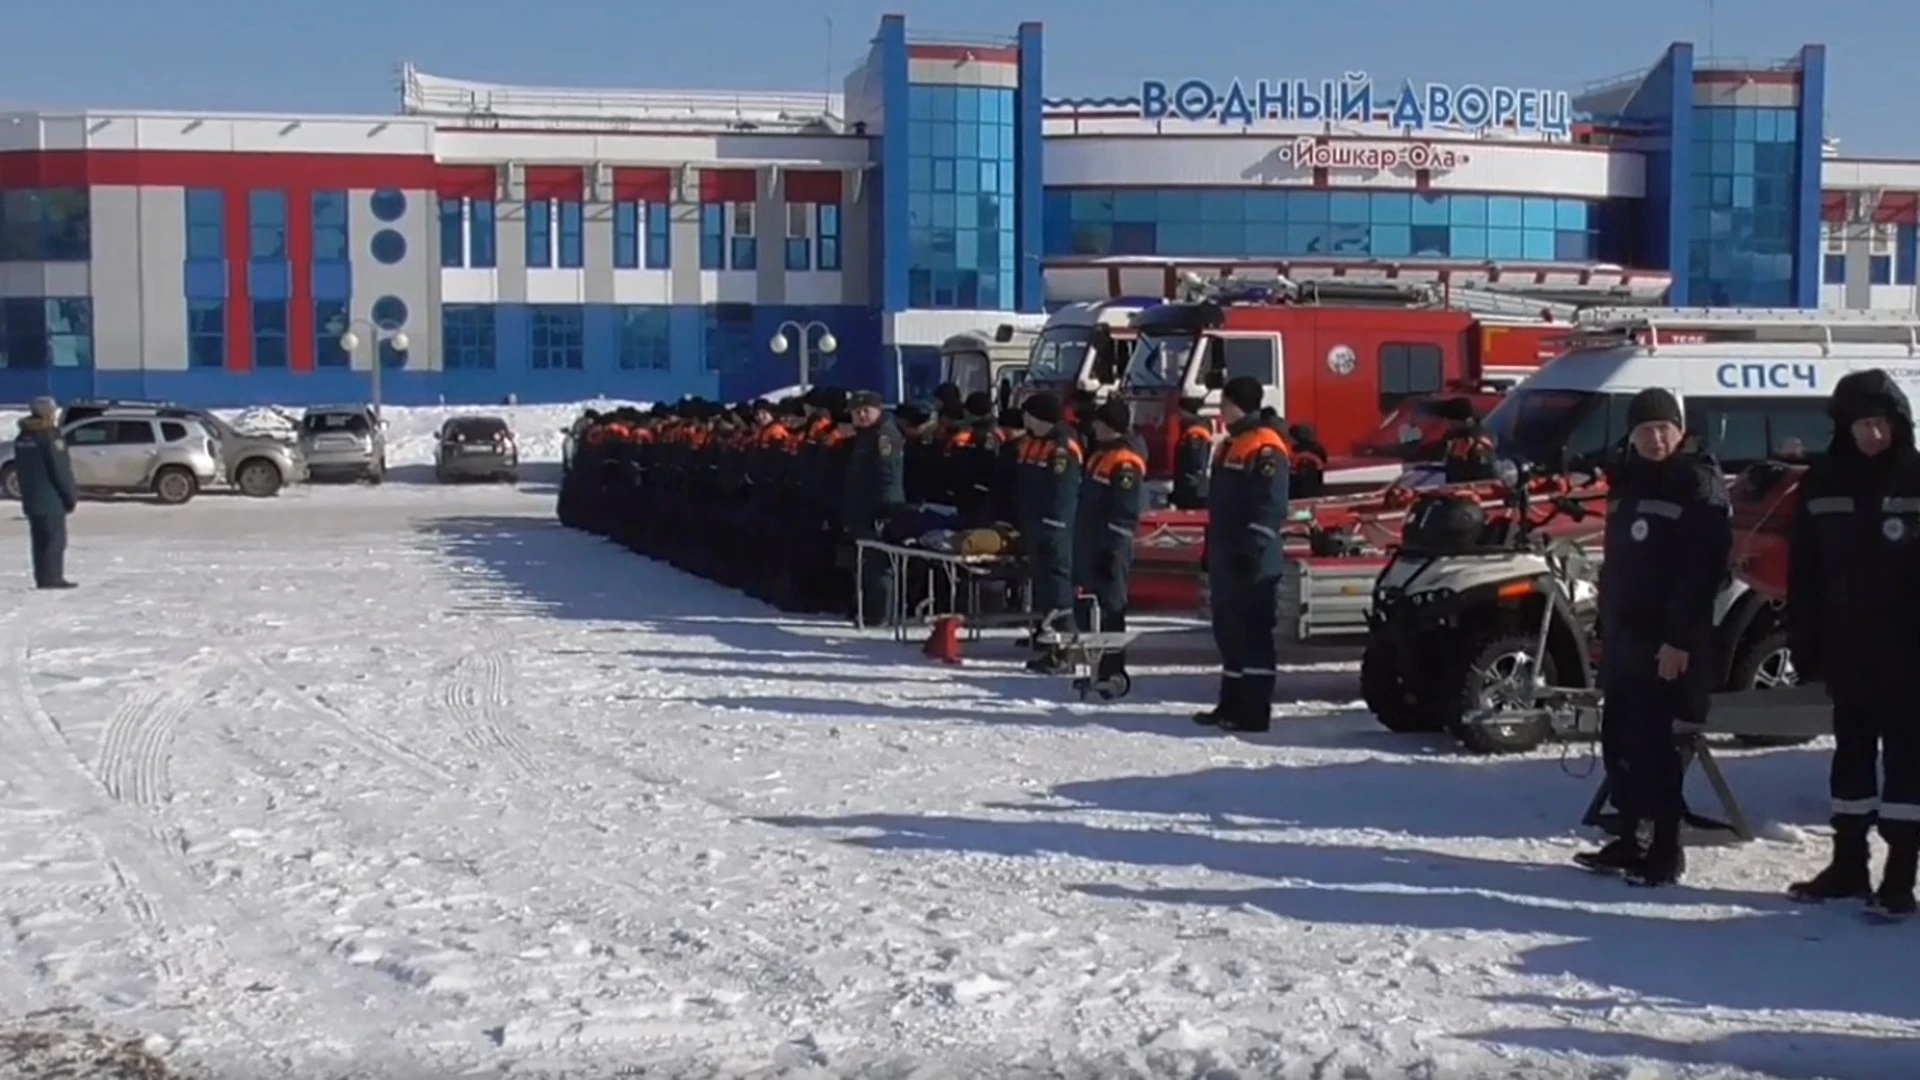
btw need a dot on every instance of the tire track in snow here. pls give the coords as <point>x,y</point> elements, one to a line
<point>364,738</point>
<point>134,757</point>
<point>478,693</point>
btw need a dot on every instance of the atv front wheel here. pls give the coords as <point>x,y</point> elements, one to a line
<point>1493,675</point>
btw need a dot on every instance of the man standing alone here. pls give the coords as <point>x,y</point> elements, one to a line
<point>46,492</point>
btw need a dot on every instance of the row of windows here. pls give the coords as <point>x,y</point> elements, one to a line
<point>1744,180</point>
<point>36,334</point>
<point>631,221</point>
<point>642,235</point>
<point>1738,432</point>
<point>266,225</point>
<point>45,225</point>
<point>1746,124</point>
<point>961,104</point>
<point>207,338</point>
<point>1237,206</point>
<point>557,337</point>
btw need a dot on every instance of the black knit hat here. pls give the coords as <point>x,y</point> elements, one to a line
<point>1654,405</point>
<point>1245,392</point>
<point>1044,408</point>
<point>979,403</point>
<point>1115,414</point>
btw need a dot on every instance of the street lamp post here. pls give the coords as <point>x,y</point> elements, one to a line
<point>375,334</point>
<point>804,333</point>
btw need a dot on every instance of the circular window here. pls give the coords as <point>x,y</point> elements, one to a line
<point>388,204</point>
<point>390,313</point>
<point>388,246</point>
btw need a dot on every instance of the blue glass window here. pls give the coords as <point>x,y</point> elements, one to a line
<point>1833,270</point>
<point>1262,223</point>
<point>37,334</point>
<point>626,235</point>
<point>207,333</point>
<point>330,320</point>
<point>453,231</point>
<point>329,213</point>
<point>570,255</point>
<point>743,249</point>
<point>730,340</point>
<point>388,247</point>
<point>466,334</point>
<point>644,340</point>
<point>269,333</point>
<point>558,337</point>
<point>267,225</point>
<point>961,200</point>
<point>1746,173</point>
<point>540,233</point>
<point>482,236</point>
<point>799,245</point>
<point>826,236</point>
<point>206,225</point>
<point>69,324</point>
<point>45,225</point>
<point>1906,253</point>
<point>713,236</point>
<point>659,237</point>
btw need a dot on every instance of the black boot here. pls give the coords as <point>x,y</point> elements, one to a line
<point>1620,855</point>
<point>1894,897</point>
<point>1847,876</point>
<point>1229,700</point>
<point>1255,713</point>
<point>1665,861</point>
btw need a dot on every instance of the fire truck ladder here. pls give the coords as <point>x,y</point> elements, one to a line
<point>1611,325</point>
<point>1495,303</point>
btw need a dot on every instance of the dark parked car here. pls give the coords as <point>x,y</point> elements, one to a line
<point>476,448</point>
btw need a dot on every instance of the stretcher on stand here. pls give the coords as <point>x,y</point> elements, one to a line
<point>963,575</point>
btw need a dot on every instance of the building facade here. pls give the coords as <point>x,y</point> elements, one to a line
<point>554,245</point>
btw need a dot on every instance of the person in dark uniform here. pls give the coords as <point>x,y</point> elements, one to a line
<point>1664,560</point>
<point>1246,507</point>
<point>1112,498</point>
<point>1309,463</point>
<point>969,462</point>
<point>1049,491</point>
<point>1853,584</point>
<point>1468,451</point>
<point>1192,458</point>
<point>47,492</point>
<point>875,491</point>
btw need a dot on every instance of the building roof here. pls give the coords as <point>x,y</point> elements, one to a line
<point>461,103</point>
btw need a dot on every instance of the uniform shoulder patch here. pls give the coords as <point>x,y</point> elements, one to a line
<point>1061,459</point>
<point>1124,479</point>
<point>886,447</point>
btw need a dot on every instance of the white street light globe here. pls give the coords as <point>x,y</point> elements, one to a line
<point>399,342</point>
<point>827,342</point>
<point>778,344</point>
<point>349,341</point>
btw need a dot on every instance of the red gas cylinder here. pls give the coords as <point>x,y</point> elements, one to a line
<point>1764,499</point>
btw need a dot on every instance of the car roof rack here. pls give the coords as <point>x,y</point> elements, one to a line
<point>1653,327</point>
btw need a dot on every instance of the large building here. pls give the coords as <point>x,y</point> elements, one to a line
<point>550,244</point>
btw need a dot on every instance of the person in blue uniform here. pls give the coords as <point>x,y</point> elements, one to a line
<point>875,491</point>
<point>1665,559</point>
<point>47,492</point>
<point>1853,582</point>
<point>1049,492</point>
<point>1112,498</point>
<point>1246,507</point>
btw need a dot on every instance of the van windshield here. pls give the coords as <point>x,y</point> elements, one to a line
<point>1536,426</point>
<point>1160,361</point>
<point>1059,353</point>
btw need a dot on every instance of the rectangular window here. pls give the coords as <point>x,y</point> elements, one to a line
<point>626,236</point>
<point>1882,239</point>
<point>206,225</point>
<point>453,232</point>
<point>1834,269</point>
<point>269,333</point>
<point>659,237</point>
<point>1880,270</point>
<point>1906,253</point>
<point>329,226</point>
<point>1836,238</point>
<point>64,227</point>
<point>826,236</point>
<point>1408,370</point>
<point>540,233</point>
<point>207,333</point>
<point>558,337</point>
<point>743,250</point>
<point>799,236</point>
<point>23,334</point>
<point>729,336</point>
<point>467,337</point>
<point>644,342</point>
<point>329,322</point>
<point>69,333</point>
<point>571,254</point>
<point>713,236</point>
<point>267,225</point>
<point>482,236</point>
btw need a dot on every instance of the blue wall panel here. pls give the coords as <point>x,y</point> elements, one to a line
<point>1662,109</point>
<point>1030,151</point>
<point>1813,107</point>
<point>891,206</point>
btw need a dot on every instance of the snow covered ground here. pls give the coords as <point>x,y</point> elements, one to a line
<point>413,782</point>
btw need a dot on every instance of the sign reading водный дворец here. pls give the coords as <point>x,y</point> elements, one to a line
<point>1356,98</point>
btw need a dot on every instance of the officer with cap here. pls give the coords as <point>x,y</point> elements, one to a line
<point>1664,561</point>
<point>1852,583</point>
<point>47,491</point>
<point>1112,498</point>
<point>1246,507</point>
<point>875,491</point>
<point>1049,493</point>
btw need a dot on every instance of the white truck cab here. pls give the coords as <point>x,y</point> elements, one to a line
<point>1083,346</point>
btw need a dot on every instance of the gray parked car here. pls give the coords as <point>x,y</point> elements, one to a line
<point>172,458</point>
<point>255,465</point>
<point>344,442</point>
<point>476,447</point>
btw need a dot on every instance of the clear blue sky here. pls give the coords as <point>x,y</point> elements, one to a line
<point>342,55</point>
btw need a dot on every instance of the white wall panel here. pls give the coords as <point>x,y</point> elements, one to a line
<point>1840,174</point>
<point>728,286</point>
<point>642,286</point>
<point>465,286</point>
<point>814,287</point>
<point>556,286</point>
<point>743,150</point>
<point>937,72</point>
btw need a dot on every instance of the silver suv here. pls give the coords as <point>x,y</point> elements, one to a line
<point>133,453</point>
<point>347,442</point>
<point>256,465</point>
